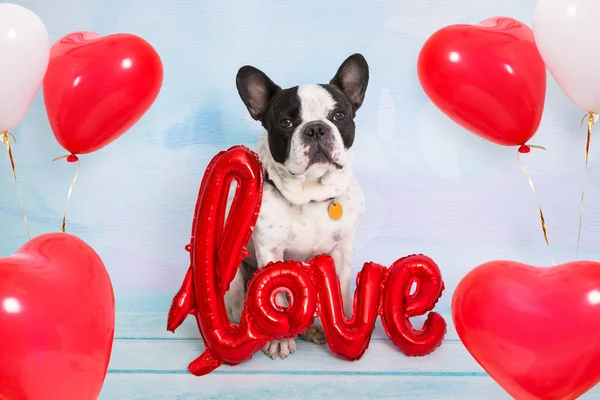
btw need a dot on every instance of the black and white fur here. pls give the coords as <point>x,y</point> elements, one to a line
<point>307,158</point>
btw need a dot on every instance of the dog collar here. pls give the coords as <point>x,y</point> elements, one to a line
<point>335,209</point>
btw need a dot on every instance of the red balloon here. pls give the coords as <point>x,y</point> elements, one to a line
<point>489,78</point>
<point>217,248</point>
<point>96,88</point>
<point>57,319</point>
<point>534,330</point>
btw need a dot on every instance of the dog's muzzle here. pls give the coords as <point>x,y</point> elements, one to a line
<point>317,131</point>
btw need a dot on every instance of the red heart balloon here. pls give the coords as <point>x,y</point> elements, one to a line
<point>57,319</point>
<point>488,78</point>
<point>534,330</point>
<point>96,88</point>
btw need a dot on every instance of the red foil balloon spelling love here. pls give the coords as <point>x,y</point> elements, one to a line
<point>217,248</point>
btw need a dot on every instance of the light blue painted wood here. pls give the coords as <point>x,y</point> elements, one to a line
<point>147,365</point>
<point>430,186</point>
<point>305,387</point>
<point>380,358</point>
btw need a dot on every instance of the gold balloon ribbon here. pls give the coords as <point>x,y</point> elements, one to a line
<point>592,118</point>
<point>70,158</point>
<point>5,139</point>
<point>525,149</point>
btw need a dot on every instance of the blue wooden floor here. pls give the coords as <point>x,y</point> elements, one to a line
<point>150,363</point>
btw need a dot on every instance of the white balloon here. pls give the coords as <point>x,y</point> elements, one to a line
<point>24,55</point>
<point>566,33</point>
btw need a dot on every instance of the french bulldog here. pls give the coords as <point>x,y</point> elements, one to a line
<point>312,203</point>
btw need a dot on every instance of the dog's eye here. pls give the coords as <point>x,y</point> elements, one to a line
<point>285,123</point>
<point>339,115</point>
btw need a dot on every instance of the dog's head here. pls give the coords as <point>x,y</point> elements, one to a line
<point>310,128</point>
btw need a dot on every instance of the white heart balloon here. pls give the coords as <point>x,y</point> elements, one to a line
<point>24,55</point>
<point>566,33</point>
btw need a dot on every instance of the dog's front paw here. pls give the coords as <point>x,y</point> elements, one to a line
<point>314,334</point>
<point>282,348</point>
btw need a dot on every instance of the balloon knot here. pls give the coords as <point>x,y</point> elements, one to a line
<point>72,158</point>
<point>524,149</point>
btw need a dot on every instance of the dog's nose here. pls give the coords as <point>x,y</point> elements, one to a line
<point>316,130</point>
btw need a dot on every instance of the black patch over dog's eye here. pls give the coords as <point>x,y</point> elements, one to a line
<point>285,123</point>
<point>338,116</point>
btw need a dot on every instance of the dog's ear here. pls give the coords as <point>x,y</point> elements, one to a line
<point>352,78</point>
<point>256,90</point>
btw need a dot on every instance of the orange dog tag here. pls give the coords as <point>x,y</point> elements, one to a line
<point>335,211</point>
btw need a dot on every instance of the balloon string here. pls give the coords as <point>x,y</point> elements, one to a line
<point>5,139</point>
<point>592,118</point>
<point>70,158</point>
<point>525,149</point>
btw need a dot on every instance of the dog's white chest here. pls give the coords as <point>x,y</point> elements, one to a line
<point>300,232</point>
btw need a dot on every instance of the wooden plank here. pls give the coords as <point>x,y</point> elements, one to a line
<point>381,356</point>
<point>144,386</point>
<point>134,325</point>
<point>157,369</point>
<point>150,363</point>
